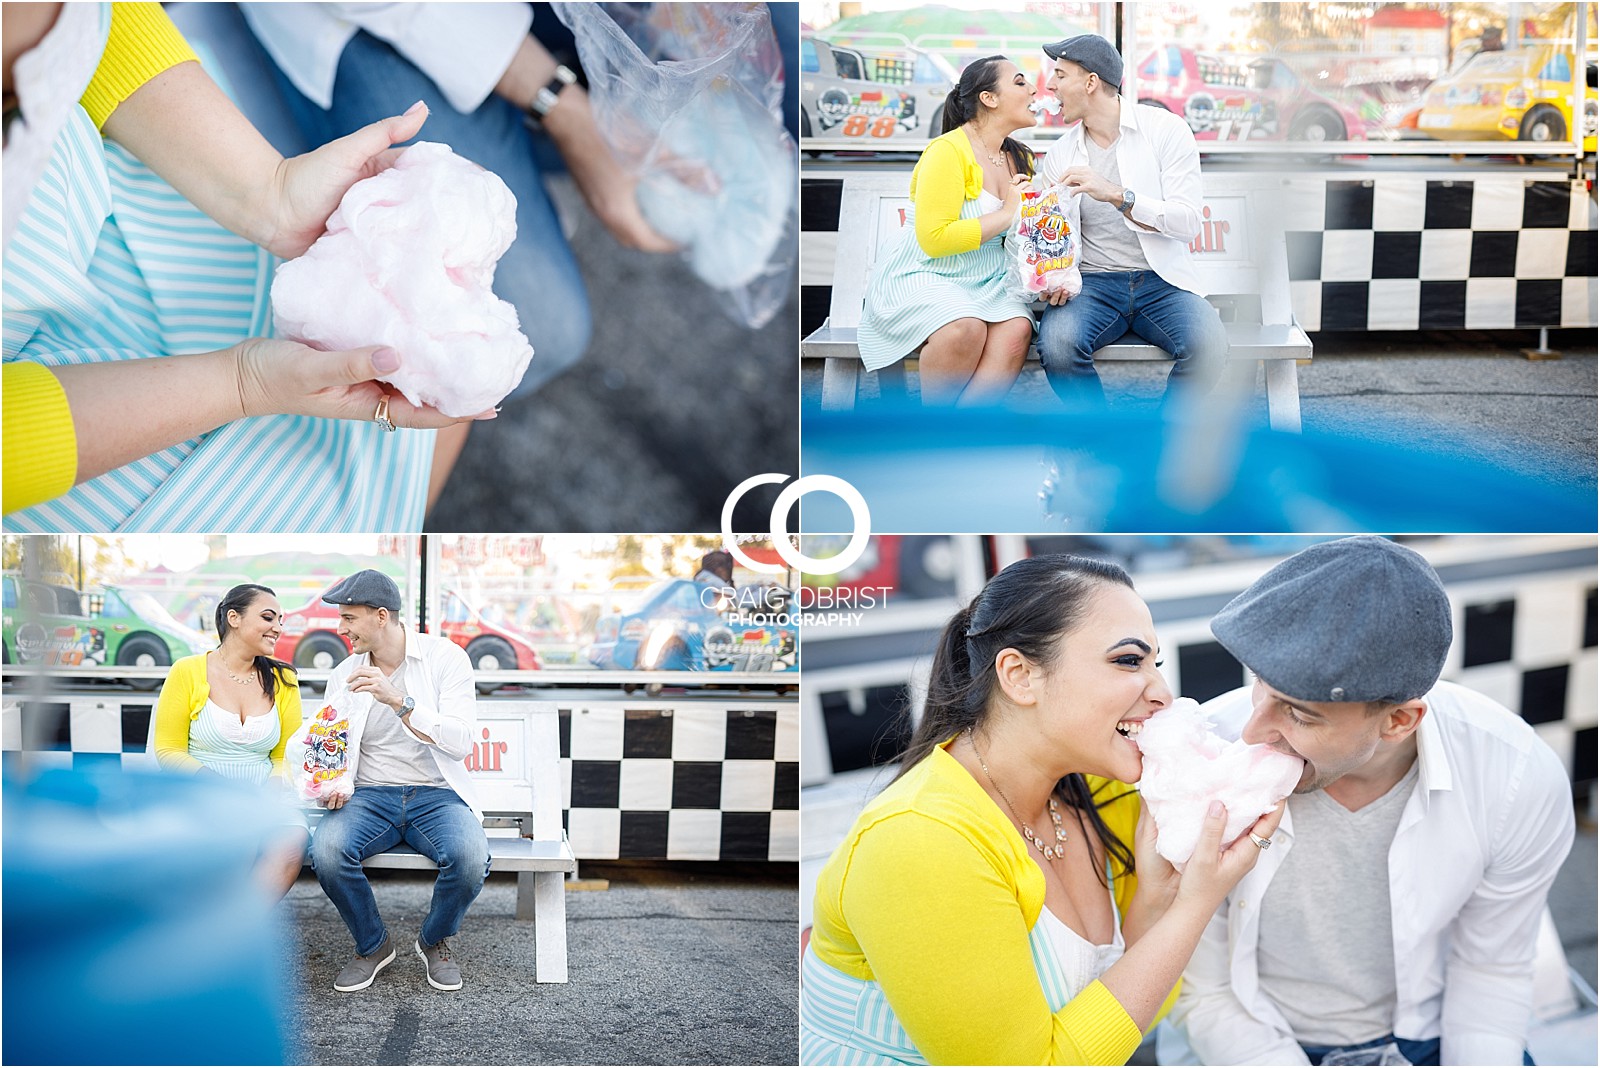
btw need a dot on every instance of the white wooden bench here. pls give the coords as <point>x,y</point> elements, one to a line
<point>521,801</point>
<point>517,769</point>
<point>1245,269</point>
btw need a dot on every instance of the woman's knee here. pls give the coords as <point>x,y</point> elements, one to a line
<point>968,334</point>
<point>1014,336</point>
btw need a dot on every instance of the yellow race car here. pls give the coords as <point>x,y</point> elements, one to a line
<point>1519,94</point>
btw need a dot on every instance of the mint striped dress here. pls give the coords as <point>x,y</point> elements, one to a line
<point>911,294</point>
<point>110,263</point>
<point>234,752</point>
<point>845,1020</point>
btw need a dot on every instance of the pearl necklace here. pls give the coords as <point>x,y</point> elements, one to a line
<point>1051,852</point>
<point>248,680</point>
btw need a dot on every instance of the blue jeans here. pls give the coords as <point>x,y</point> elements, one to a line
<point>1415,1050</point>
<point>434,821</point>
<point>1115,302</point>
<point>538,274</point>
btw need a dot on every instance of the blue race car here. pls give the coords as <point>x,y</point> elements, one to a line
<point>684,625</point>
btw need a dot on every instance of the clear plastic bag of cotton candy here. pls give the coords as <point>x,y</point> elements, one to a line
<point>1187,765</point>
<point>408,261</point>
<point>1042,244</point>
<point>690,99</point>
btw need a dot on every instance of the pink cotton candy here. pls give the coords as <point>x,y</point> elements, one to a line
<point>408,262</point>
<point>1187,766</point>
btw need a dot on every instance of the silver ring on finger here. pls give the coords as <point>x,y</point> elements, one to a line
<point>1261,843</point>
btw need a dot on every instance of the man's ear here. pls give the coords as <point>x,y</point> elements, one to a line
<point>1402,720</point>
<point>1015,674</point>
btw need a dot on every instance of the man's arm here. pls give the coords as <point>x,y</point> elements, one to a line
<point>1488,986</point>
<point>1177,213</point>
<point>446,718</point>
<point>1212,1018</point>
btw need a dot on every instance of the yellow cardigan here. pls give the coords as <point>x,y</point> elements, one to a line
<point>933,896</point>
<point>40,442</point>
<point>945,178</point>
<point>184,694</point>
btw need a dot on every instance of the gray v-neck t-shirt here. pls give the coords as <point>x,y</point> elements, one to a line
<point>1326,947</point>
<point>390,754</point>
<point>1108,243</point>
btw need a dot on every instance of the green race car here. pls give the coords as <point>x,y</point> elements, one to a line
<point>46,624</point>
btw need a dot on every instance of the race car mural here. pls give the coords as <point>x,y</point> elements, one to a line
<point>845,93</point>
<point>1261,99</point>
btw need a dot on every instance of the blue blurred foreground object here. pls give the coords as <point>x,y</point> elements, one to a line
<point>1007,471</point>
<point>133,931</point>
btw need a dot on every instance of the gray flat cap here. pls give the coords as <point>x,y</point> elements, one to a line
<point>1093,53</point>
<point>367,587</point>
<point>1359,619</point>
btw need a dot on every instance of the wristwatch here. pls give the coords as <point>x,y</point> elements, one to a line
<point>545,99</point>
<point>1127,201</point>
<point>406,705</point>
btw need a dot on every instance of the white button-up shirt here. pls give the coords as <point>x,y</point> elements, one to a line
<point>1477,848</point>
<point>1158,160</point>
<point>439,679</point>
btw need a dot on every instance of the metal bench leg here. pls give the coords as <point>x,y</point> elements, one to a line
<point>549,924</point>
<point>1283,394</point>
<point>527,903</point>
<point>839,384</point>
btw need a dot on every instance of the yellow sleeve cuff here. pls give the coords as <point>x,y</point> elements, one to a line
<point>143,43</point>
<point>1094,1028</point>
<point>40,445</point>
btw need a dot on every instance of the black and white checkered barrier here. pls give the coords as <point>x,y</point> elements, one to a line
<point>684,778</point>
<point>1438,249</point>
<point>1525,623</point>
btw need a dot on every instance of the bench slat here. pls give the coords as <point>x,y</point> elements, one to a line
<point>1254,341</point>
<point>506,854</point>
<point>1250,281</point>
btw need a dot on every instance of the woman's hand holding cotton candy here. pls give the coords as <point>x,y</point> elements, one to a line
<point>408,261</point>
<point>1213,871</point>
<point>306,189</point>
<point>277,377</point>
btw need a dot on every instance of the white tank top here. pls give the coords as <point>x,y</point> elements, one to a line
<point>1081,961</point>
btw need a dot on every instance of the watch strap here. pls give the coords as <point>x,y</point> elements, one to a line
<point>545,99</point>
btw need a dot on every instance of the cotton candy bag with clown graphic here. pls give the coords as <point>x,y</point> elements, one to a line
<point>320,761</point>
<point>1043,244</point>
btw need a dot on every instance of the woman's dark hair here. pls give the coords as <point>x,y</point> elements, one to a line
<point>238,600</point>
<point>1027,607</point>
<point>981,76</point>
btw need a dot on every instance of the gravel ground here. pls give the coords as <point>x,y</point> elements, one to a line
<point>674,964</point>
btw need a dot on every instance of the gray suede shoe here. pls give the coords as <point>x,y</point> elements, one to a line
<point>443,974</point>
<point>361,971</point>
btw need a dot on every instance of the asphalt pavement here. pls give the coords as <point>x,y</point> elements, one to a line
<point>1473,390</point>
<point>673,964</point>
<point>673,405</point>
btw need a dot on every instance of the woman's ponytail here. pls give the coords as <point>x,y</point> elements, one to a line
<point>954,702</point>
<point>954,113</point>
